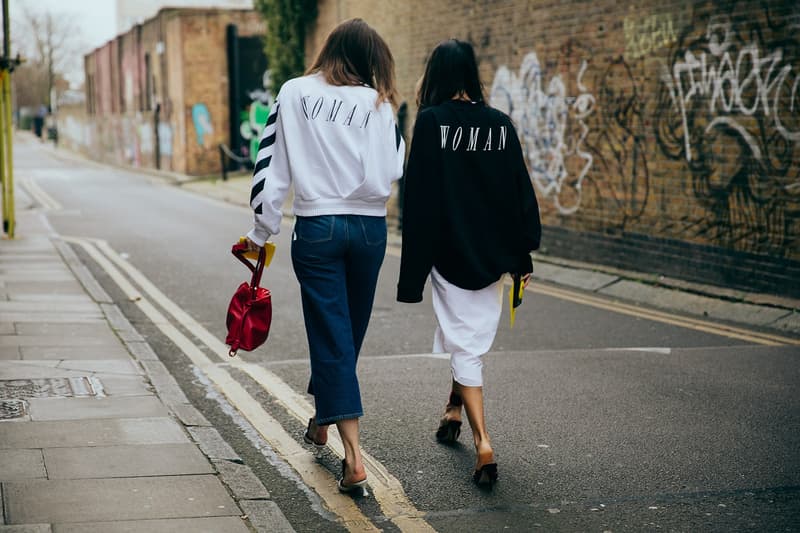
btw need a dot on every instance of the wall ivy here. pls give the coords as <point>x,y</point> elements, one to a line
<point>284,45</point>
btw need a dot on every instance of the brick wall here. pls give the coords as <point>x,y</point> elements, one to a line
<point>205,82</point>
<point>660,135</point>
<point>157,95</point>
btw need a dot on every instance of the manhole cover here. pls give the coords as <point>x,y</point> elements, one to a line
<point>10,409</point>
<point>23,389</point>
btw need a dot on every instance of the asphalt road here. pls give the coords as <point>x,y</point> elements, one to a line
<point>601,421</point>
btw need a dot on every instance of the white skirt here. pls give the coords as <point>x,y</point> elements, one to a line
<point>468,323</point>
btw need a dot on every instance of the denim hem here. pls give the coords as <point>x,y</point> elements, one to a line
<point>332,419</point>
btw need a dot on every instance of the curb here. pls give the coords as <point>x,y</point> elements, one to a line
<point>248,492</point>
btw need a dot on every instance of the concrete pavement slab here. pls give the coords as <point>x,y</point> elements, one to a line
<point>30,259</point>
<point>104,432</point>
<point>48,307</point>
<point>42,409</point>
<point>27,528</point>
<point>21,464</point>
<point>266,516</point>
<point>96,500</point>
<point>36,369</point>
<point>107,351</point>
<point>121,367</point>
<point>10,352</point>
<point>83,318</point>
<point>212,444</point>
<point>790,323</point>
<point>125,461</point>
<point>51,263</point>
<point>27,297</point>
<point>39,340</point>
<point>241,480</point>
<point>189,415</point>
<point>116,386</point>
<point>7,328</point>
<point>101,331</point>
<point>44,287</point>
<point>168,389</point>
<point>46,276</point>
<point>142,351</point>
<point>583,279</point>
<point>228,524</point>
<point>694,304</point>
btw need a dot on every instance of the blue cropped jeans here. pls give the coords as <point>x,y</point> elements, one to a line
<point>336,259</point>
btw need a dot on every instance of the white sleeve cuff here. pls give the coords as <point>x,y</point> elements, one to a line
<point>258,236</point>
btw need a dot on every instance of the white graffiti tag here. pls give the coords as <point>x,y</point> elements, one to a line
<point>746,82</point>
<point>551,126</point>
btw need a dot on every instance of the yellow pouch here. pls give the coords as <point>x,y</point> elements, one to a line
<point>515,293</point>
<point>269,251</point>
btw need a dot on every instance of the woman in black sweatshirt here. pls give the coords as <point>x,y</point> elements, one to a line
<point>469,217</point>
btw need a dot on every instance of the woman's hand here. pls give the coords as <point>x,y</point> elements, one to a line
<point>526,279</point>
<point>251,246</point>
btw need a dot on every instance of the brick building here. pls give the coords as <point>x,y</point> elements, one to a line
<point>662,136</point>
<point>167,92</point>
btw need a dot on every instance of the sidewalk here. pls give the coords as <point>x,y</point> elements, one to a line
<point>95,434</point>
<point>779,314</point>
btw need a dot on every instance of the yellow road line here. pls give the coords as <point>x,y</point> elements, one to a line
<point>705,326</point>
<point>664,317</point>
<point>302,461</point>
<point>387,489</point>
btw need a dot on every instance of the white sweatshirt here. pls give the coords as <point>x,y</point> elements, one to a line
<point>339,150</point>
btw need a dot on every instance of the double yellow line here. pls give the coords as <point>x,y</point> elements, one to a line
<point>387,490</point>
<point>664,317</point>
<point>673,319</point>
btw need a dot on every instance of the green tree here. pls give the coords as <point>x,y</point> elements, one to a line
<point>284,45</point>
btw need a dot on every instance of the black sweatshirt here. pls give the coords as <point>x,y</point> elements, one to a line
<point>469,208</point>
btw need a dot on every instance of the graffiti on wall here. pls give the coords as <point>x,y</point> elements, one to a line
<point>730,97</point>
<point>552,125</point>
<point>619,141</point>
<point>203,128</point>
<point>254,116</point>
<point>644,35</point>
<point>165,139</point>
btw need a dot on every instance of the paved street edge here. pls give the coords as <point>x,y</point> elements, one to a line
<point>248,492</point>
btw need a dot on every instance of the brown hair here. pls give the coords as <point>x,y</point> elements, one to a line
<point>354,54</point>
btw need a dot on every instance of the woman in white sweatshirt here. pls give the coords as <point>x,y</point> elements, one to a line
<point>333,137</point>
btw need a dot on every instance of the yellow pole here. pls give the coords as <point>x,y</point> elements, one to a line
<point>7,163</point>
<point>9,159</point>
<point>3,152</point>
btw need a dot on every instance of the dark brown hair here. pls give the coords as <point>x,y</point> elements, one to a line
<point>354,54</point>
<point>452,70</point>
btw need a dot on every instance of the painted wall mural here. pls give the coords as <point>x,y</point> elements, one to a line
<point>731,99</point>
<point>255,95</point>
<point>693,133</point>
<point>254,116</point>
<point>203,127</point>
<point>582,127</point>
<point>552,125</point>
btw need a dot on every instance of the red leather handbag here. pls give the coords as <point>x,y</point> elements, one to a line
<point>250,310</point>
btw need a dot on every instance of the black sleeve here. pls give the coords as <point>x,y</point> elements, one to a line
<point>421,209</point>
<point>529,222</point>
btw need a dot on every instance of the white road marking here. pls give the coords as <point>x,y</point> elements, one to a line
<point>42,198</point>
<point>300,459</point>
<point>387,490</point>
<point>663,351</point>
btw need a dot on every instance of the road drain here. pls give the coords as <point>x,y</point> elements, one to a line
<point>11,409</point>
<point>15,392</point>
